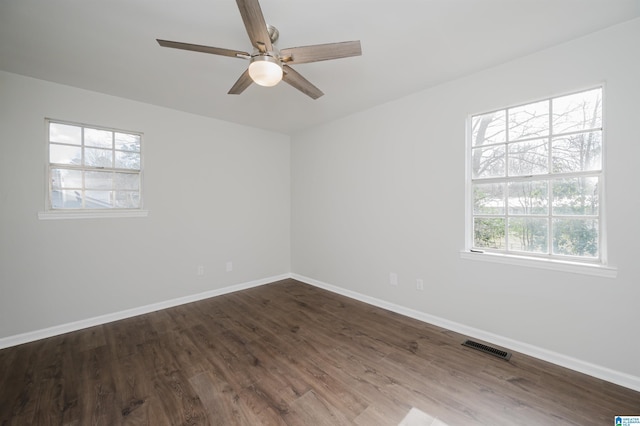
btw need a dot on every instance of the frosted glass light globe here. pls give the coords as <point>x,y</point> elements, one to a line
<point>265,70</point>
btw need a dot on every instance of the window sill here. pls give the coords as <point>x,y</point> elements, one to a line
<point>554,265</point>
<point>97,214</point>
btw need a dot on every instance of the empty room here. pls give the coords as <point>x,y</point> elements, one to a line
<point>218,212</point>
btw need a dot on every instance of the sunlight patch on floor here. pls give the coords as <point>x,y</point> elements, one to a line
<point>416,417</point>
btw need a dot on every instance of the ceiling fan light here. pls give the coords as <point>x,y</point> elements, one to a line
<point>265,70</point>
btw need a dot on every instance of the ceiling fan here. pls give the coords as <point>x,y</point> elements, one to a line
<point>269,65</point>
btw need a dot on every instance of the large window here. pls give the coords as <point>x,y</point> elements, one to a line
<point>93,168</point>
<point>536,179</point>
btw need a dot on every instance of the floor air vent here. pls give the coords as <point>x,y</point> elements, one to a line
<point>487,349</point>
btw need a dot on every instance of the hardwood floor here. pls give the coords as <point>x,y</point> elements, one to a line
<point>288,354</point>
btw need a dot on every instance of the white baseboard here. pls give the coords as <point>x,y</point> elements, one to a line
<point>604,373</point>
<point>31,336</point>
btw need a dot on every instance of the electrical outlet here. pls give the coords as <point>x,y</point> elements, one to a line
<point>419,284</point>
<point>393,279</point>
<point>229,266</point>
<point>200,271</point>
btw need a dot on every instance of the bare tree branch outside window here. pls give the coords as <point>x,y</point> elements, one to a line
<point>536,173</point>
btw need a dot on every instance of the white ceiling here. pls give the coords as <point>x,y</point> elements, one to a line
<point>109,46</point>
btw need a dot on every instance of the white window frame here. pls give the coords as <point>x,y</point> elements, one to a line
<point>89,213</point>
<point>574,264</point>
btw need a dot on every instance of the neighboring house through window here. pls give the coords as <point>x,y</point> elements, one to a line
<point>93,168</point>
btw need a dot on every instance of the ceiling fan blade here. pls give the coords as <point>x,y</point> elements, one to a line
<point>243,82</point>
<point>294,78</point>
<point>321,52</point>
<point>255,24</point>
<point>203,49</point>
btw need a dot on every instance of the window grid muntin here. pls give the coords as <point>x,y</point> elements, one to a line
<point>550,176</point>
<point>84,168</point>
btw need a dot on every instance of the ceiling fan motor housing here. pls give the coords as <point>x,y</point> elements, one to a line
<point>273,33</point>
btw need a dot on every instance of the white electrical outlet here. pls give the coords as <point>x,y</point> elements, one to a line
<point>229,266</point>
<point>200,270</point>
<point>419,284</point>
<point>393,278</point>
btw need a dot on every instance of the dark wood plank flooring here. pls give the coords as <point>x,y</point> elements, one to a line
<point>288,354</point>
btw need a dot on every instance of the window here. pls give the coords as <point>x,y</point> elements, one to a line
<point>536,179</point>
<point>92,168</point>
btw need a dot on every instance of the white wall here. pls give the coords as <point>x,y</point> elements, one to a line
<point>215,191</point>
<point>383,191</point>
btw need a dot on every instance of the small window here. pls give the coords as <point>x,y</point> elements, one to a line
<point>536,179</point>
<point>93,168</point>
